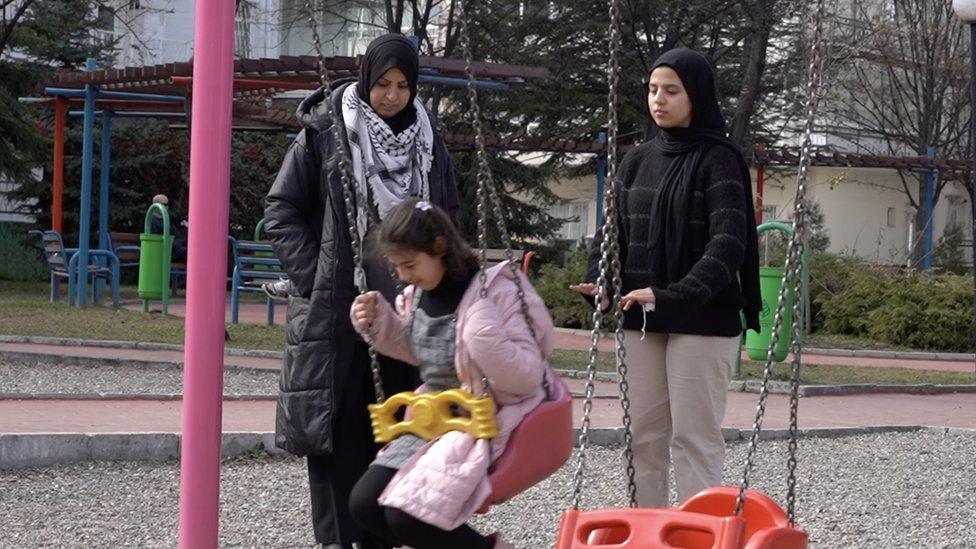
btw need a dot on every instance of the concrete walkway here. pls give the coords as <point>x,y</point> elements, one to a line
<point>148,416</point>
<point>39,431</point>
<point>77,354</point>
<point>74,415</point>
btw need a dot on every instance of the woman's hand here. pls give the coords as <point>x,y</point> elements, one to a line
<point>586,288</point>
<point>642,297</point>
<point>589,289</point>
<point>364,311</point>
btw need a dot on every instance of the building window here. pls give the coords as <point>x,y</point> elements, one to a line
<point>106,18</point>
<point>891,217</point>
<point>576,216</point>
<point>769,212</point>
<point>954,213</point>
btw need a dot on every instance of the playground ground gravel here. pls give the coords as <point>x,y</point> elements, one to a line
<point>894,490</point>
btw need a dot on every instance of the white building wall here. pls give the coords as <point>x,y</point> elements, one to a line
<point>866,212</point>
<point>161,31</point>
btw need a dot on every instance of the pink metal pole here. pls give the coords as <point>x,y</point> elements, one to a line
<point>213,71</point>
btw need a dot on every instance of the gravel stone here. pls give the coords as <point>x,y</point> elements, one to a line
<point>26,377</point>
<point>893,490</point>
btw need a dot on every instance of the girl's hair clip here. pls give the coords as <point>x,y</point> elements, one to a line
<point>424,206</point>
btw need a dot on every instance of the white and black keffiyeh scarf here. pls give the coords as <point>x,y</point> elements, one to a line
<point>387,168</point>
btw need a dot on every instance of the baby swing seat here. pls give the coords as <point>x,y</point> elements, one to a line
<point>705,521</point>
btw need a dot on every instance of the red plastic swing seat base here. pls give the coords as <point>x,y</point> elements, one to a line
<point>705,521</point>
<point>537,448</point>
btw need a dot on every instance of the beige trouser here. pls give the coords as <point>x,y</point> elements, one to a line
<point>677,395</point>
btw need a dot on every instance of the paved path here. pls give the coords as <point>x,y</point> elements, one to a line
<point>563,340</point>
<point>248,312</point>
<point>132,416</point>
<point>948,410</point>
<point>69,352</point>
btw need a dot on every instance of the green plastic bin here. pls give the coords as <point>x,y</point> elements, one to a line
<point>152,251</point>
<point>757,345</point>
<point>155,254</point>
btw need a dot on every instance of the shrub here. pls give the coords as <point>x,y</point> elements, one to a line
<point>926,313</point>
<point>948,252</point>
<point>923,312</point>
<point>568,309</point>
<point>20,261</point>
<point>830,274</point>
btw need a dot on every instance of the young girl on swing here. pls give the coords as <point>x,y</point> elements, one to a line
<point>421,493</point>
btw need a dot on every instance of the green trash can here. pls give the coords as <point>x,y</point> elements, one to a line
<point>757,345</point>
<point>155,254</point>
<point>153,248</point>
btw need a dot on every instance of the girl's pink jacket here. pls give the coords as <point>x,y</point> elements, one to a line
<point>447,481</point>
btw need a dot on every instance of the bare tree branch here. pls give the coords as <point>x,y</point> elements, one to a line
<point>11,24</point>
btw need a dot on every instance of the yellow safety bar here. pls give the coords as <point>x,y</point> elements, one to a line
<point>432,415</point>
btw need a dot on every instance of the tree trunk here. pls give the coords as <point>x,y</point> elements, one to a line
<point>761,25</point>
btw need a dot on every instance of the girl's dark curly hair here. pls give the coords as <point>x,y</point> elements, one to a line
<point>419,226</point>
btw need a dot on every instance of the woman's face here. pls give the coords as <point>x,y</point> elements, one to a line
<point>390,94</point>
<point>667,99</point>
<point>418,268</point>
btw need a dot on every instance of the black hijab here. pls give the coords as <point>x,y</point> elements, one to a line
<point>384,53</point>
<point>670,209</point>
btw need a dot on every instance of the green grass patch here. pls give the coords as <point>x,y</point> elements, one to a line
<point>809,375</point>
<point>562,359</point>
<point>813,374</point>
<point>25,310</point>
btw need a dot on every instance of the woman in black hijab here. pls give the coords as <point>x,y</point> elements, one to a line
<point>689,276</point>
<point>326,384</point>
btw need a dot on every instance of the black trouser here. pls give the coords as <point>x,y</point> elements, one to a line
<point>398,528</point>
<point>331,477</point>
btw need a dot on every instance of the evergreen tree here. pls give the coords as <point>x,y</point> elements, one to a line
<point>37,37</point>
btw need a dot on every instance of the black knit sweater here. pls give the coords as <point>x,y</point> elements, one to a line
<point>704,298</point>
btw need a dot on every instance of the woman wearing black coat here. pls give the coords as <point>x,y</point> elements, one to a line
<point>689,276</point>
<point>326,382</point>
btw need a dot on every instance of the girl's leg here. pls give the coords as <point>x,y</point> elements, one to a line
<point>420,535</point>
<point>699,368</point>
<point>364,506</point>
<point>650,414</point>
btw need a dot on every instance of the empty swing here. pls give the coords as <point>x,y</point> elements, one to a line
<point>543,440</point>
<point>720,517</point>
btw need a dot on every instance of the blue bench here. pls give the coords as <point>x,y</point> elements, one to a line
<point>255,264</point>
<point>62,261</point>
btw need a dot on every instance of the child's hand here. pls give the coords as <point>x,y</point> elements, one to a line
<point>364,311</point>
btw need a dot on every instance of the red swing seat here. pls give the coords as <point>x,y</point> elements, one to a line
<point>705,521</point>
<point>540,445</point>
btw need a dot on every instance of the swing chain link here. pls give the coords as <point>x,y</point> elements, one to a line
<point>348,193</point>
<point>791,276</point>
<point>609,267</point>
<point>615,267</point>
<point>487,190</point>
<point>802,212</point>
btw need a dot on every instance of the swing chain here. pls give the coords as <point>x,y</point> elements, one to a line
<point>791,275</point>
<point>802,212</point>
<point>618,314</point>
<point>348,193</point>
<point>609,267</point>
<point>487,190</point>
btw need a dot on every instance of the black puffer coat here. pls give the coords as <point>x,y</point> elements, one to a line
<point>306,222</point>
